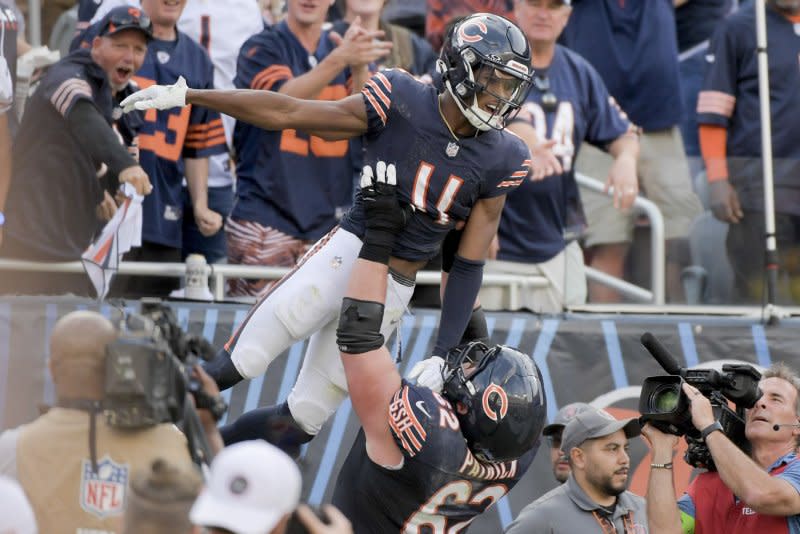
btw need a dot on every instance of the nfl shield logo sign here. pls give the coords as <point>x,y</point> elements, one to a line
<point>452,149</point>
<point>103,492</point>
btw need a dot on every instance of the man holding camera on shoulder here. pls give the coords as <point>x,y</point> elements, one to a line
<point>73,465</point>
<point>747,494</point>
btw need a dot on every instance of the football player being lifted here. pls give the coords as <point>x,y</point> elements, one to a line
<point>455,164</point>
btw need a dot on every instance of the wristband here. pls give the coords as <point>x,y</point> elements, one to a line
<point>667,465</point>
<point>713,427</point>
<point>2,218</point>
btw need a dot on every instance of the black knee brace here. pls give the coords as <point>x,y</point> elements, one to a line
<point>359,328</point>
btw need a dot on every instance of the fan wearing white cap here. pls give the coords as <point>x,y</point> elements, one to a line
<point>16,514</point>
<point>594,497</point>
<point>253,488</point>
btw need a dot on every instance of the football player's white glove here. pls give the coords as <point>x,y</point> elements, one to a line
<point>157,97</point>
<point>429,373</point>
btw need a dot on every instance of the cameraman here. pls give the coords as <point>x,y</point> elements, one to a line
<point>73,466</point>
<point>759,493</point>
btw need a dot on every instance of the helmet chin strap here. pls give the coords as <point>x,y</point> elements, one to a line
<point>472,113</point>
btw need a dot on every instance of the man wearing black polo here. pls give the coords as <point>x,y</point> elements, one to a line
<point>68,161</point>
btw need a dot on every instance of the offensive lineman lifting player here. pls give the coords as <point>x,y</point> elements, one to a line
<point>426,461</point>
<point>456,165</point>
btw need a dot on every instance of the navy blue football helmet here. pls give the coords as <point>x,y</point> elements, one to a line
<point>486,53</point>
<point>503,406</point>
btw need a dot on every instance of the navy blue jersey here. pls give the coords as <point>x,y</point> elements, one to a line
<point>632,45</point>
<point>440,177</point>
<point>696,20</point>
<point>297,183</point>
<point>54,190</point>
<point>441,486</point>
<point>170,135</point>
<point>536,216</point>
<point>730,98</point>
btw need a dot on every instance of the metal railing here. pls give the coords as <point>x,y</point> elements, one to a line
<point>657,255</point>
<point>219,273</point>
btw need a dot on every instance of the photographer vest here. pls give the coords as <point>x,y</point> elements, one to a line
<point>719,511</point>
<point>54,467</point>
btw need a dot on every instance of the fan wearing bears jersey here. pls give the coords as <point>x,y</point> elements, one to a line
<point>455,165</point>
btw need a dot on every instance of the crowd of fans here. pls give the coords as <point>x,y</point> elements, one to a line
<point>624,77</point>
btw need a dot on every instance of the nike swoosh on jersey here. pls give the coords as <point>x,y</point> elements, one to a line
<point>421,406</point>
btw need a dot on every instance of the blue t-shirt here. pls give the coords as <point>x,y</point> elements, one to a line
<point>440,177</point>
<point>632,45</point>
<point>289,180</point>
<point>696,20</point>
<point>729,98</point>
<point>537,215</point>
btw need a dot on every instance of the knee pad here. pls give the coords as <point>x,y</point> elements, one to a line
<point>359,328</point>
<point>312,409</point>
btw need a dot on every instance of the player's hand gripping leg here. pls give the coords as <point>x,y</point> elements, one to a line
<point>385,217</point>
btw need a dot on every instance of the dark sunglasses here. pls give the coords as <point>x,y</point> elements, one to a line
<point>131,18</point>
<point>549,100</point>
<point>554,441</point>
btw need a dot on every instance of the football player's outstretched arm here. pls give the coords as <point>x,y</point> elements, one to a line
<point>372,377</point>
<point>274,111</point>
<point>340,119</point>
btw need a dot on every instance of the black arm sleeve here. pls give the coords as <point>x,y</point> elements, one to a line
<point>88,125</point>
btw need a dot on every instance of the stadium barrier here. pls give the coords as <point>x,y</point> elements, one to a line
<point>586,357</point>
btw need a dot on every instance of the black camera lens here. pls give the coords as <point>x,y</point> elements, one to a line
<point>664,398</point>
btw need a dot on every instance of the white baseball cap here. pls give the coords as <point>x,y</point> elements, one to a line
<point>16,514</point>
<point>251,486</point>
